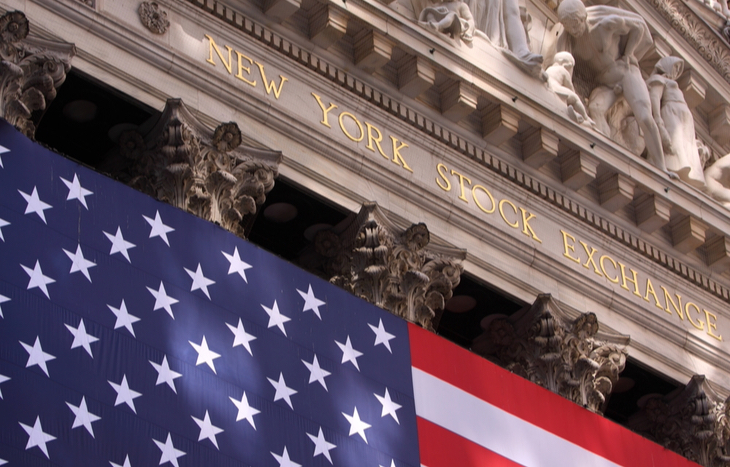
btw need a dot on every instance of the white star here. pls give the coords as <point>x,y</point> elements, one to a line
<point>36,436</point>
<point>241,337</point>
<point>3,378</point>
<point>311,302</point>
<point>119,244</point>
<point>81,338</point>
<point>79,263</point>
<point>35,204</point>
<point>321,446</point>
<point>76,191</point>
<point>158,228</point>
<point>245,410</point>
<point>126,463</point>
<point>275,317</point>
<point>169,453</point>
<point>36,355</point>
<point>199,281</point>
<point>205,355</point>
<point>2,461</point>
<point>3,299</point>
<point>392,464</point>
<point>124,319</point>
<point>83,416</point>
<point>162,300</point>
<point>357,425</point>
<point>207,429</point>
<point>124,394</point>
<point>37,279</point>
<point>282,392</point>
<point>3,223</point>
<point>165,374</point>
<point>381,335</point>
<point>316,373</point>
<point>348,353</point>
<point>389,407</point>
<point>236,264</point>
<point>3,150</point>
<point>284,460</point>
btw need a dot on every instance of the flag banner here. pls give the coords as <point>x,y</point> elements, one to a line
<point>135,334</point>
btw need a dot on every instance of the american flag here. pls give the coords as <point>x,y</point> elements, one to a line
<point>134,334</point>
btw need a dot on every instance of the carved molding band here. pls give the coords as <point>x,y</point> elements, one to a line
<point>708,44</point>
<point>692,421</point>
<point>206,173</point>
<point>30,72</point>
<point>568,357</point>
<point>398,270</point>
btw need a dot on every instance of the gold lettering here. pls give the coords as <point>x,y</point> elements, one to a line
<point>603,268</point>
<point>461,184</point>
<point>344,130</point>
<point>668,300</point>
<point>212,47</point>
<point>271,86</point>
<point>516,225</point>
<point>474,195</point>
<point>241,68</point>
<point>700,325</point>
<point>569,248</point>
<point>397,157</point>
<point>376,140</point>
<point>711,325</point>
<point>590,254</point>
<point>325,112</point>
<point>625,279</point>
<point>526,228</point>
<point>443,175</point>
<point>650,290</point>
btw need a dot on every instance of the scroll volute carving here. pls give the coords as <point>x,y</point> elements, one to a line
<point>570,357</point>
<point>692,421</point>
<point>31,69</point>
<point>395,269</point>
<point>207,173</point>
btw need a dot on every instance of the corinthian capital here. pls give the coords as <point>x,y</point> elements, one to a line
<point>205,172</point>
<point>570,357</point>
<point>692,421</point>
<point>397,269</point>
<point>31,69</point>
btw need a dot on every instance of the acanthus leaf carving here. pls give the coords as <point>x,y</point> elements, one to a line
<point>570,357</point>
<point>399,270</point>
<point>692,421</point>
<point>31,69</point>
<point>207,173</point>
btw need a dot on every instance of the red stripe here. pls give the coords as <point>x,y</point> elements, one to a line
<point>534,404</point>
<point>460,452</point>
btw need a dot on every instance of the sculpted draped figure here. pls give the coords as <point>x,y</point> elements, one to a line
<point>500,20</point>
<point>609,41</point>
<point>675,121</point>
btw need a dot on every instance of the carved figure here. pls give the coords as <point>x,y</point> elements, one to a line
<point>502,22</point>
<point>717,178</point>
<point>609,41</point>
<point>453,18</point>
<point>560,81</point>
<point>675,121</point>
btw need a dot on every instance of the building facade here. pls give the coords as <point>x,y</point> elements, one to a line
<point>542,183</point>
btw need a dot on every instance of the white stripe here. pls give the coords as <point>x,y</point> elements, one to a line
<point>491,427</point>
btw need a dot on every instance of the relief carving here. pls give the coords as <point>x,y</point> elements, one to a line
<point>153,17</point>
<point>692,421</point>
<point>207,173</point>
<point>395,269</point>
<point>453,18</point>
<point>31,70</point>
<point>570,357</point>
